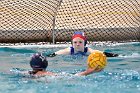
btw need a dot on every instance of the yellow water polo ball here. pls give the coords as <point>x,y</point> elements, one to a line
<point>97,59</point>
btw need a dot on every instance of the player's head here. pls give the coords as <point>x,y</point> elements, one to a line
<point>38,62</point>
<point>81,36</point>
<point>79,40</point>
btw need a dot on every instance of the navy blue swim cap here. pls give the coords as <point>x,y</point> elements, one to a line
<point>38,61</point>
<point>79,33</point>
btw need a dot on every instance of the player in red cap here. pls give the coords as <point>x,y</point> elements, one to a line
<point>79,42</point>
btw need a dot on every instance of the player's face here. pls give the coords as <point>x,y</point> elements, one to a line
<point>78,44</point>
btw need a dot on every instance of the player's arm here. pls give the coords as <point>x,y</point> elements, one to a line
<point>60,52</point>
<point>63,51</point>
<point>110,54</point>
<point>86,72</point>
<point>106,53</point>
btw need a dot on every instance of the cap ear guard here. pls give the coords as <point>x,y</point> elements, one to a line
<point>85,42</point>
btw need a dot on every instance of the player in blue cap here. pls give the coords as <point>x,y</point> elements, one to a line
<point>39,64</point>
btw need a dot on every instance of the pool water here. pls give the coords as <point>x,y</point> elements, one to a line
<point>121,75</point>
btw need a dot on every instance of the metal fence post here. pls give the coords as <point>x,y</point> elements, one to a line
<point>54,19</point>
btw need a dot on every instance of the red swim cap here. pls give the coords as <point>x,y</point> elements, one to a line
<point>80,35</point>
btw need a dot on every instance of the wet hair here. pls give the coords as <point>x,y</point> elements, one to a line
<point>38,62</point>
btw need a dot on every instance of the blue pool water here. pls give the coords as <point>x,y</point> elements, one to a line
<point>122,74</point>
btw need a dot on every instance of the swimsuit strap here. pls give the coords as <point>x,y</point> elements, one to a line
<point>83,53</point>
<point>85,49</point>
<point>71,50</point>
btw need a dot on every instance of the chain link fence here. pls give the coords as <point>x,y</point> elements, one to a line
<point>55,20</point>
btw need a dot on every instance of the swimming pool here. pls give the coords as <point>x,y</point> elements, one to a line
<point>122,74</point>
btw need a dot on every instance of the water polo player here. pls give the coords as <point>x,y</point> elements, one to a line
<point>79,42</point>
<point>39,64</point>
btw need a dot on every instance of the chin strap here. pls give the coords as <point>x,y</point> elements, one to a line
<point>110,54</point>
